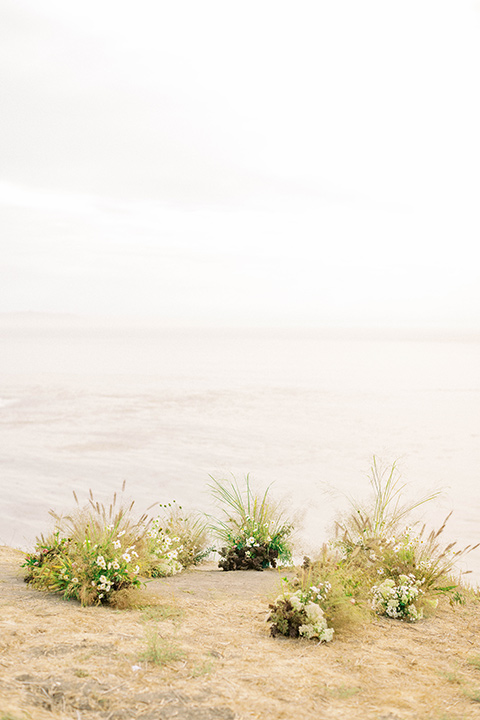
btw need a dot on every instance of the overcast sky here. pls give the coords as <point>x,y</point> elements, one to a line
<point>253,163</point>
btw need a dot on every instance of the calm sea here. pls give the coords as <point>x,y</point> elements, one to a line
<point>87,409</point>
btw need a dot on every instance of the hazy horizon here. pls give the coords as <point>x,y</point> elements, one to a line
<point>37,322</point>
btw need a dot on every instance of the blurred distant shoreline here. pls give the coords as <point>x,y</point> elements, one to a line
<point>42,322</point>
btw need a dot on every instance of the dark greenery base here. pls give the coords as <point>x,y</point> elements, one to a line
<point>286,620</point>
<point>236,558</point>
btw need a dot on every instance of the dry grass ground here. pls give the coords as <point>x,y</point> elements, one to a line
<point>203,652</point>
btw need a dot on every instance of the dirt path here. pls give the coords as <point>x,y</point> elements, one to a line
<point>216,660</point>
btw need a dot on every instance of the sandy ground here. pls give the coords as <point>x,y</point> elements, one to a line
<point>216,660</point>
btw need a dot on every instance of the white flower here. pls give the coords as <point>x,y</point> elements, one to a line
<point>327,635</point>
<point>136,570</point>
<point>101,562</point>
<point>122,532</point>
<point>320,631</point>
<point>295,602</point>
<point>75,580</point>
<point>314,613</point>
<point>117,544</point>
<point>307,631</point>
<point>115,565</point>
<point>127,557</point>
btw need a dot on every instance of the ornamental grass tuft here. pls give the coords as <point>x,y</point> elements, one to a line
<point>97,553</point>
<point>93,555</point>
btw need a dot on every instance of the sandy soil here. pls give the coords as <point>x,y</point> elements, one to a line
<point>216,660</point>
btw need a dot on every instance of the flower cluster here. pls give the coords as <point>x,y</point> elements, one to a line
<point>298,613</point>
<point>398,600</point>
<point>164,550</point>
<point>316,593</point>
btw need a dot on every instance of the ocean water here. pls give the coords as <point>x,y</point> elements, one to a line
<point>86,408</point>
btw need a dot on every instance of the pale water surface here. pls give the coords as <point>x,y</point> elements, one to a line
<point>163,410</point>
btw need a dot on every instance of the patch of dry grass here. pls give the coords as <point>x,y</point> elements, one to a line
<point>60,661</point>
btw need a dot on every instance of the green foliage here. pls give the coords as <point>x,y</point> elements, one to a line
<point>473,695</point>
<point>452,677</point>
<point>253,530</point>
<point>161,612</point>
<point>343,692</point>
<point>206,667</point>
<point>474,661</point>
<point>160,650</point>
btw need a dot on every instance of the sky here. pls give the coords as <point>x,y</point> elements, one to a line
<point>263,163</point>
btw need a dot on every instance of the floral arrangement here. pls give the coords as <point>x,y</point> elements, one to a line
<point>375,563</point>
<point>253,532</point>
<point>97,554</point>
<point>299,614</point>
<point>414,568</point>
<point>92,570</point>
<point>398,601</point>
